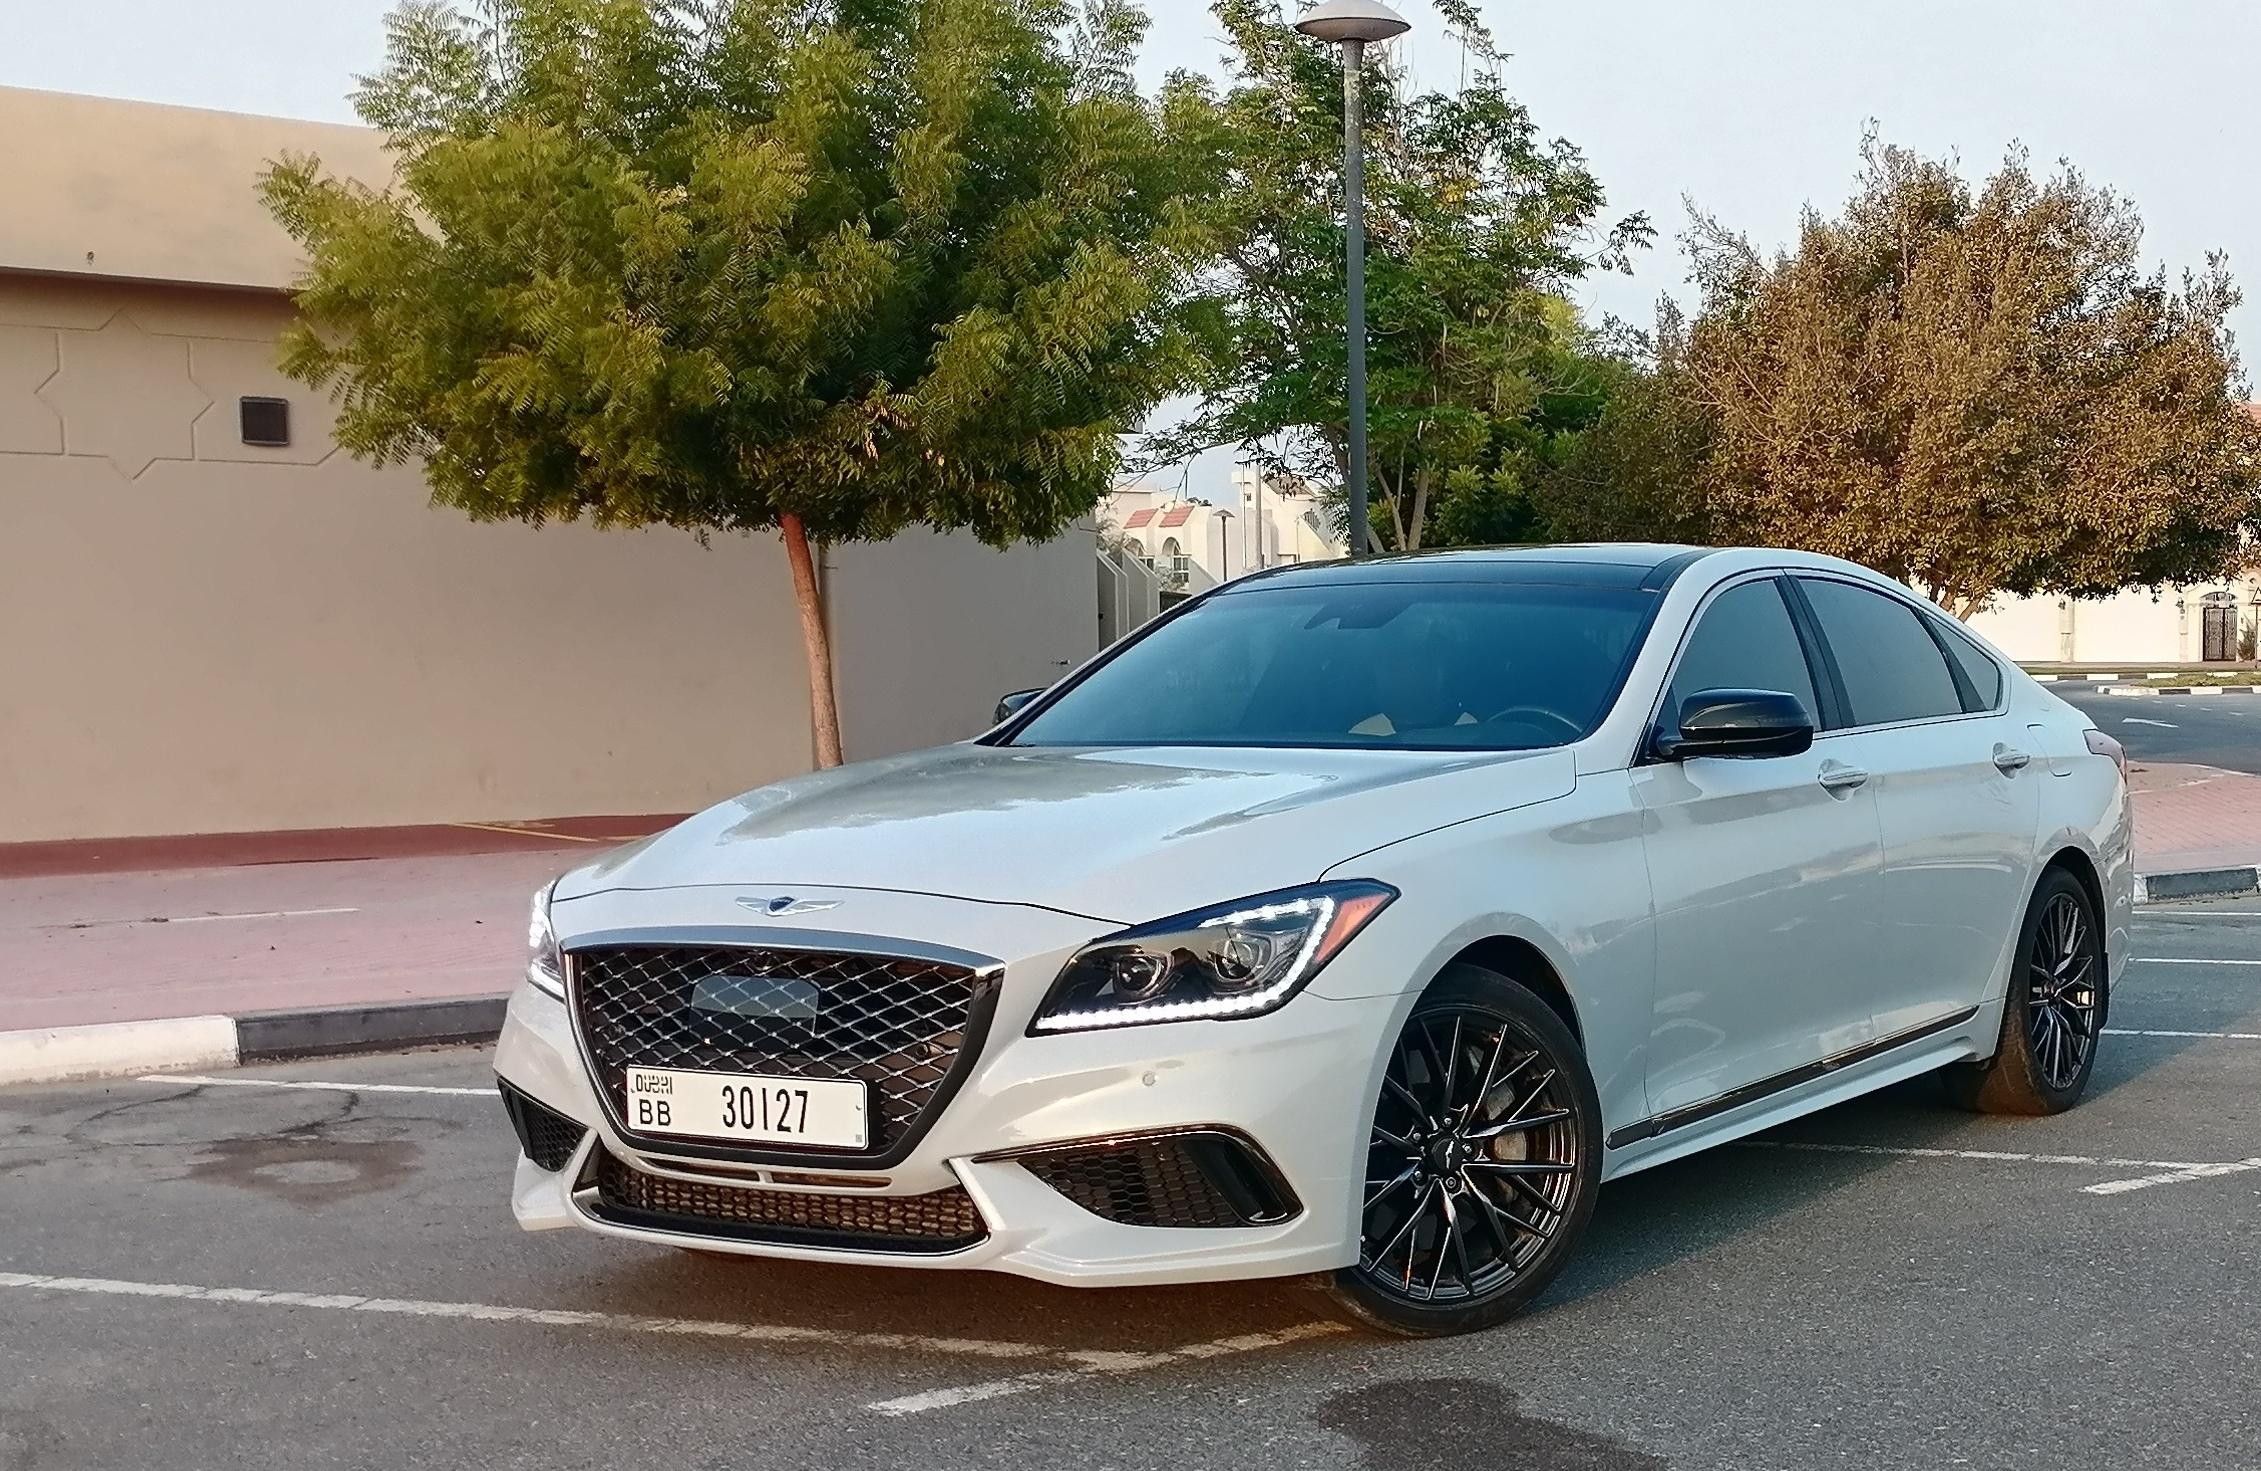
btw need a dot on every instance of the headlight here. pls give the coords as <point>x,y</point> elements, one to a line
<point>545,965</point>
<point>1239,959</point>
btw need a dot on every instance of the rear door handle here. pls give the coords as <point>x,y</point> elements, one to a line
<point>2009,758</point>
<point>1839,778</point>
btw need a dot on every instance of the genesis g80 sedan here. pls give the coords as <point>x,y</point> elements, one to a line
<point>1352,922</point>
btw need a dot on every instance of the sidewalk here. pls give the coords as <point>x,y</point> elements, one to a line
<point>130,946</point>
<point>124,931</point>
<point>2194,817</point>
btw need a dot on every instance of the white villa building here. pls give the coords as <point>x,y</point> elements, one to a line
<point>2167,625</point>
<point>1196,544</point>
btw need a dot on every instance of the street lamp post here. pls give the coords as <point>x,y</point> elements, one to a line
<point>1352,24</point>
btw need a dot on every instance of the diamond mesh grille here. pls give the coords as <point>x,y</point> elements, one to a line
<point>900,1025</point>
<point>547,1138</point>
<point>945,1220</point>
<point>1163,1181</point>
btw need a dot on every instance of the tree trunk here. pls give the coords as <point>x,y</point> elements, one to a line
<point>1965,606</point>
<point>816,644</point>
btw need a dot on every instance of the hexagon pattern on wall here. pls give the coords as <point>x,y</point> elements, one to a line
<point>27,360</point>
<point>125,394</point>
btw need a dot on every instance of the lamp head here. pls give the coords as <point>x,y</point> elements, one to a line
<point>1352,20</point>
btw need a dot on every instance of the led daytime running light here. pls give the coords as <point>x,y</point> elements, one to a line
<point>1336,913</point>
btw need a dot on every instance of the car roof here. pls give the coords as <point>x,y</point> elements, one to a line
<point>1650,566</point>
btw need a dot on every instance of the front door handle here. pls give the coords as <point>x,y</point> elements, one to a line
<point>1841,778</point>
<point>2009,758</point>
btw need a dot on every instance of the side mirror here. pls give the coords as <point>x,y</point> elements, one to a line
<point>1013,702</point>
<point>1738,723</point>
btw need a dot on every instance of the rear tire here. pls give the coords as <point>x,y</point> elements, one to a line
<point>1482,1166</point>
<point>2054,1014</point>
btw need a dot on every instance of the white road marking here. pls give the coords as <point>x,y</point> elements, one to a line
<point>2149,913</point>
<point>257,914</point>
<point>2157,1032</point>
<point>310,1086</point>
<point>2187,960</point>
<point>2173,1177</point>
<point>1080,1364</point>
<point>548,1317</point>
<point>1092,1364</point>
<point>1990,1156</point>
<point>2139,720</point>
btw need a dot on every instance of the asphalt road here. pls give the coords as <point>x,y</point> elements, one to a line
<point>216,1275</point>
<point>2206,730</point>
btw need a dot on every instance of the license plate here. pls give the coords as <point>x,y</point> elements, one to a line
<point>748,1107</point>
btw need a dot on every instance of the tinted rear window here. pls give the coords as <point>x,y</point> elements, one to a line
<point>1978,666</point>
<point>1891,668</point>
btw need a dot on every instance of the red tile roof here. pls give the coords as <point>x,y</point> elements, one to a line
<point>1177,515</point>
<point>1138,519</point>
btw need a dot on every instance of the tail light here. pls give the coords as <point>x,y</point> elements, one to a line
<point>2100,744</point>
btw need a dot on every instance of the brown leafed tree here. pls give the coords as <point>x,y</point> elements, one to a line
<point>1978,392</point>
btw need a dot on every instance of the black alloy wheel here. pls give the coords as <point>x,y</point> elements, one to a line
<point>2063,997</point>
<point>1482,1164</point>
<point>2053,1012</point>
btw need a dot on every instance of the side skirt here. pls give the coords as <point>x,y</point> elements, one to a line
<point>1750,1093</point>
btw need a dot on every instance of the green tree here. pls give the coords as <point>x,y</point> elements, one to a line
<point>1975,391</point>
<point>1477,228</point>
<point>823,267</point>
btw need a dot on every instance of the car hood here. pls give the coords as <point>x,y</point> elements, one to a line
<point>1119,835</point>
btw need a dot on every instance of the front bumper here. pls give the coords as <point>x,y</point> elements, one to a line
<point>1297,1085</point>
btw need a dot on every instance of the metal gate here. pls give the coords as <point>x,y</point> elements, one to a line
<point>2217,633</point>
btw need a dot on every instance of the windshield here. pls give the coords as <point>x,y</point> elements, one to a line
<point>1409,666</point>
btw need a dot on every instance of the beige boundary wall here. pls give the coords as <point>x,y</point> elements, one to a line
<point>197,635</point>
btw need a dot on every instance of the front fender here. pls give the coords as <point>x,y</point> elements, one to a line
<point>1566,877</point>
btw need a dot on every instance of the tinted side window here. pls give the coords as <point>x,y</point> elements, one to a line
<point>1744,641</point>
<point>1892,669</point>
<point>1979,668</point>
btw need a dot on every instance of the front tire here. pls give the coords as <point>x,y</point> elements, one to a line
<point>2054,1012</point>
<point>1482,1166</point>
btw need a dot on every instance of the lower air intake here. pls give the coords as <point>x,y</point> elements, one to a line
<point>1202,1179</point>
<point>547,1137</point>
<point>945,1220</point>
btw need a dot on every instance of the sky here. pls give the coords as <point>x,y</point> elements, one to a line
<point>1752,108</point>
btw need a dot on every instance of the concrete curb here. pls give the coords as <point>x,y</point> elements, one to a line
<point>201,1043</point>
<point>2198,883</point>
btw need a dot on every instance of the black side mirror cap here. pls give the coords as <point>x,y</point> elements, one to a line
<point>1738,723</point>
<point>1011,704</point>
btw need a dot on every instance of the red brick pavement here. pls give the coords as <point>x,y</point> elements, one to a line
<point>188,942</point>
<point>2190,817</point>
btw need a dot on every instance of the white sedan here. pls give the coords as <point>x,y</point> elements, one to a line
<point>1353,921</point>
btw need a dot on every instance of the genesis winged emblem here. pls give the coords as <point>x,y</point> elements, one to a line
<point>786,904</point>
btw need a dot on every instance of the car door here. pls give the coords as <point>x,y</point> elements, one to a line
<point>1764,873</point>
<point>1955,788</point>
